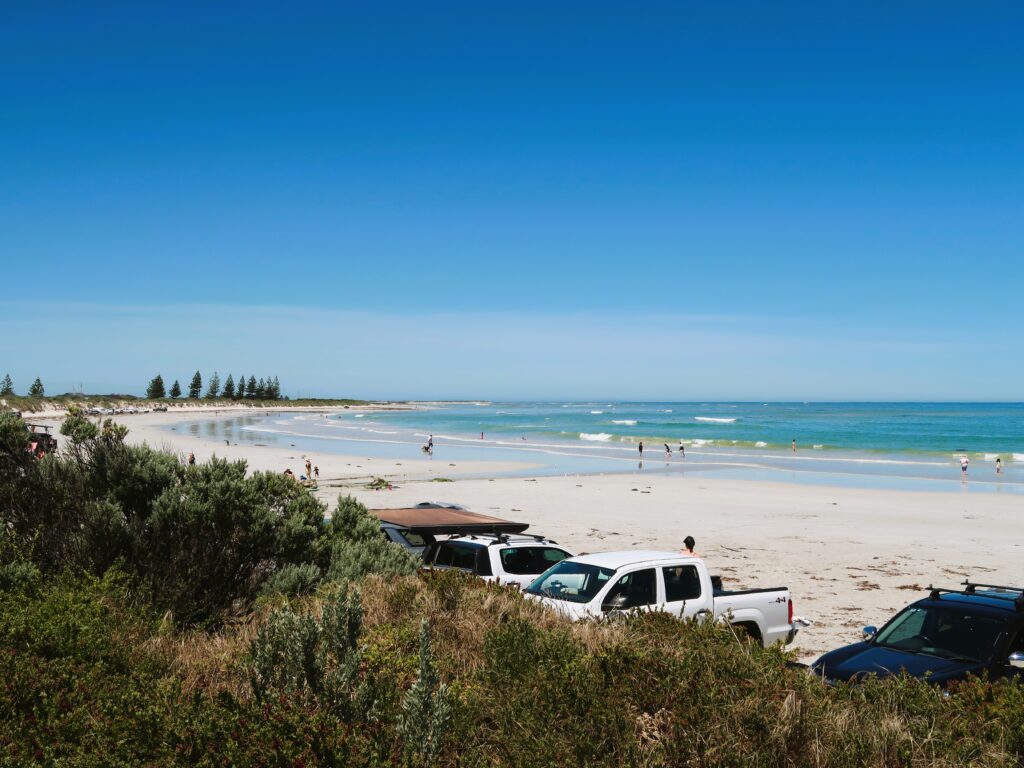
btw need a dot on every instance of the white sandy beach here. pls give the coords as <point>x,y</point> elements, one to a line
<point>850,556</point>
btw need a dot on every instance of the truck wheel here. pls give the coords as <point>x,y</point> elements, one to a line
<point>751,630</point>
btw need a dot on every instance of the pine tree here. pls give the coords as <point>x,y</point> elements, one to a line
<point>36,390</point>
<point>155,390</point>
<point>273,389</point>
<point>214,389</point>
<point>196,387</point>
<point>7,388</point>
<point>240,392</point>
<point>176,389</point>
<point>229,388</point>
<point>252,388</point>
<point>261,390</point>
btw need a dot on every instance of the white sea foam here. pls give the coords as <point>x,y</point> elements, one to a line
<point>360,415</point>
<point>817,445</point>
<point>630,422</point>
<point>667,410</point>
<point>1018,457</point>
<point>713,420</point>
<point>699,442</point>
<point>991,456</point>
<point>760,444</point>
<point>597,413</point>
<point>600,436</point>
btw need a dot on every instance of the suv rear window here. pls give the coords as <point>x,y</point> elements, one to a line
<point>414,539</point>
<point>528,560</point>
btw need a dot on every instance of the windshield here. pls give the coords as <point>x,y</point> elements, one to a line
<point>575,582</point>
<point>949,633</point>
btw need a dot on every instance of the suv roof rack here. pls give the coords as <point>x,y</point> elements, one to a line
<point>501,537</point>
<point>505,537</point>
<point>970,588</point>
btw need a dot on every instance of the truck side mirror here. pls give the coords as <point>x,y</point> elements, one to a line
<point>870,631</point>
<point>1017,659</point>
<point>616,603</point>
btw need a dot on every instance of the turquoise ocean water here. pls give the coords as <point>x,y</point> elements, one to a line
<point>908,445</point>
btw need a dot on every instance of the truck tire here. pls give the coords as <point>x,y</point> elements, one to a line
<point>751,629</point>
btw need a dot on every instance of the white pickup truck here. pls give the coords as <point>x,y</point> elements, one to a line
<point>591,586</point>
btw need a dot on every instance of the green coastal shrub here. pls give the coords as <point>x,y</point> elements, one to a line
<point>212,540</point>
<point>360,549</point>
<point>426,710</point>
<point>292,580</point>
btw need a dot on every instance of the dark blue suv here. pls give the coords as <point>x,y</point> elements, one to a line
<point>946,636</point>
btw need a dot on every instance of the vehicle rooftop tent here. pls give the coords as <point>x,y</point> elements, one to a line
<point>438,519</point>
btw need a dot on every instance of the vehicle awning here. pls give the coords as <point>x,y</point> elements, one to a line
<point>440,520</point>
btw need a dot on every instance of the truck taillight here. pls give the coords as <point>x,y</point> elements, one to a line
<point>790,610</point>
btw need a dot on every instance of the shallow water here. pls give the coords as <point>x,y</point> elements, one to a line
<point>904,446</point>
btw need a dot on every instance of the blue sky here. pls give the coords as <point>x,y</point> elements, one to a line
<point>660,200</point>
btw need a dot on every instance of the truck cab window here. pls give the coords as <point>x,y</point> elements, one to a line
<point>682,582</point>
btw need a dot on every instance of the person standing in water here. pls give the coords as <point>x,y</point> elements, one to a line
<point>999,465</point>
<point>668,452</point>
<point>641,449</point>
<point>682,450</point>
<point>964,461</point>
<point>794,445</point>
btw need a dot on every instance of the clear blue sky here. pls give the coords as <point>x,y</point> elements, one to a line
<point>484,199</point>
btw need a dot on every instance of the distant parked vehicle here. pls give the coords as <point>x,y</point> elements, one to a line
<point>945,637</point>
<point>606,583</point>
<point>41,441</point>
<point>503,558</point>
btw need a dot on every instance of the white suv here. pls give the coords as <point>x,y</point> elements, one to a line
<point>506,559</point>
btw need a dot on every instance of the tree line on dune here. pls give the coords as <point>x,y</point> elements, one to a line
<point>245,389</point>
<point>7,387</point>
<point>268,388</point>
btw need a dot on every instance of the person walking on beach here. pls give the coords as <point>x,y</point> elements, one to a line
<point>963,465</point>
<point>999,465</point>
<point>641,449</point>
<point>682,450</point>
<point>794,445</point>
<point>668,452</point>
<point>309,469</point>
<point>430,444</point>
<point>316,473</point>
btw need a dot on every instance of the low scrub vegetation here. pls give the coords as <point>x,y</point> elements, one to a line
<point>156,614</point>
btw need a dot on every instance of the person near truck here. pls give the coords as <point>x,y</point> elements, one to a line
<point>688,547</point>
